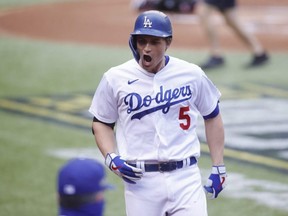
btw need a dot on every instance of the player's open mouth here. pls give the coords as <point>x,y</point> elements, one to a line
<point>147,58</point>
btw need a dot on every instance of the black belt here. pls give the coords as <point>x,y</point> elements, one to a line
<point>166,166</point>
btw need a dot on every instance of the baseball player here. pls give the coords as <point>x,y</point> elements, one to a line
<point>152,102</point>
<point>228,10</point>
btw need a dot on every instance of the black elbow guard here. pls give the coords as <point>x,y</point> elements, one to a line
<point>111,125</point>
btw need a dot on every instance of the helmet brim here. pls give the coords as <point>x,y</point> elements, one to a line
<point>151,32</point>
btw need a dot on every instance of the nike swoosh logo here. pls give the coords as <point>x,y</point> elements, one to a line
<point>222,182</point>
<point>115,167</point>
<point>132,81</point>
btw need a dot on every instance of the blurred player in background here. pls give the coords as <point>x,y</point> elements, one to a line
<point>205,9</point>
<point>80,187</point>
<point>174,6</point>
<point>228,9</point>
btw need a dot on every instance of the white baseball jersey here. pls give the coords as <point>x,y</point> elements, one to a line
<point>155,114</point>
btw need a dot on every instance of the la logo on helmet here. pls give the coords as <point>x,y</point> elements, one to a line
<point>147,22</point>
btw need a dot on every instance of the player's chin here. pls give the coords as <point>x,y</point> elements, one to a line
<point>148,68</point>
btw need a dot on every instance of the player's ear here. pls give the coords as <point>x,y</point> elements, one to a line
<point>133,47</point>
<point>168,41</point>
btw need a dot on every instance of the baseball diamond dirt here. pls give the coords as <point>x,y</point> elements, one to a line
<point>109,22</point>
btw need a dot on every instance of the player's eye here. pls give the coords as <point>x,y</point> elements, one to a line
<point>141,41</point>
<point>155,42</point>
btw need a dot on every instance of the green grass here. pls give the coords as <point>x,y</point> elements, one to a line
<point>42,67</point>
<point>46,67</point>
<point>28,173</point>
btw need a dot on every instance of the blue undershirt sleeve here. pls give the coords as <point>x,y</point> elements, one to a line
<point>212,114</point>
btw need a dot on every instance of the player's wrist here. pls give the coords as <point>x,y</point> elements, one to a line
<point>219,169</point>
<point>218,163</point>
<point>111,154</point>
<point>109,159</point>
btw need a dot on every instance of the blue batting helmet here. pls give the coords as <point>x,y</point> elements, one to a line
<point>153,23</point>
<point>78,182</point>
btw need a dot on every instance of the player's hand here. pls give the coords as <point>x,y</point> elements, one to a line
<point>216,182</point>
<point>119,166</point>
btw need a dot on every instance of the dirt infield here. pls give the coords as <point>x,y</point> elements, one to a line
<point>110,22</point>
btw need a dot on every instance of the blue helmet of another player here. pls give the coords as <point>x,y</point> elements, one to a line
<point>79,182</point>
<point>152,23</point>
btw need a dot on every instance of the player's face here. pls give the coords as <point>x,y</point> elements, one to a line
<point>151,50</point>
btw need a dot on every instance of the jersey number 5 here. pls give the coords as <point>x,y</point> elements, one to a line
<point>183,115</point>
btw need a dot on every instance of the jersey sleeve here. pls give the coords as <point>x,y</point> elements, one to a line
<point>104,105</point>
<point>207,96</point>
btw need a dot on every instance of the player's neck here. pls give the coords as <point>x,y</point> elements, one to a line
<point>158,67</point>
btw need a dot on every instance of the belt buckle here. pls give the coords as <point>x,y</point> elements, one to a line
<point>167,166</point>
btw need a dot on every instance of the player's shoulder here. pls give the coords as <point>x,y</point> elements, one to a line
<point>121,69</point>
<point>183,62</point>
<point>185,65</point>
<point>128,65</point>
